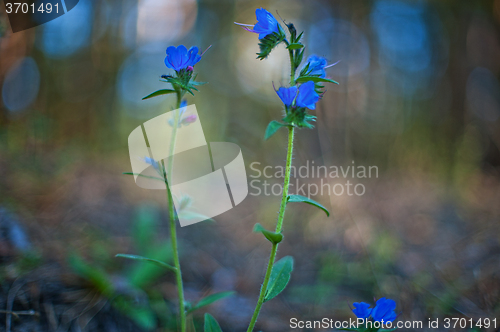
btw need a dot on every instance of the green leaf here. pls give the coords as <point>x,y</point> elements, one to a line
<point>299,57</point>
<point>273,237</point>
<point>210,299</point>
<point>159,93</point>
<point>300,36</point>
<point>294,46</point>
<point>280,275</point>
<point>272,128</point>
<point>211,324</point>
<point>269,42</point>
<point>145,176</point>
<point>300,198</point>
<point>315,79</point>
<point>145,259</point>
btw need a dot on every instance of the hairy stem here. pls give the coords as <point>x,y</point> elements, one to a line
<point>286,183</point>
<point>171,211</point>
<point>292,68</point>
<point>279,226</point>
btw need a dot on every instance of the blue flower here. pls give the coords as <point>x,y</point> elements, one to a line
<point>287,95</point>
<point>384,310</point>
<point>180,58</point>
<point>266,23</point>
<point>317,65</point>
<point>362,310</point>
<point>307,96</point>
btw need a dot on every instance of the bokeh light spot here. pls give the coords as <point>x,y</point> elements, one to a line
<point>68,33</point>
<point>21,85</point>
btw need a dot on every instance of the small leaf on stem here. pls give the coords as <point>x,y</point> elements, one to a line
<point>273,237</point>
<point>210,299</point>
<point>159,93</point>
<point>300,198</point>
<point>272,128</point>
<point>280,275</point>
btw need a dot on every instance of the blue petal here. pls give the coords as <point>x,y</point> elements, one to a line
<point>175,59</point>
<point>183,57</point>
<point>171,50</point>
<point>307,96</point>
<point>317,65</point>
<point>194,58</point>
<point>384,310</point>
<point>287,95</point>
<point>362,310</point>
<point>266,23</point>
<point>261,14</point>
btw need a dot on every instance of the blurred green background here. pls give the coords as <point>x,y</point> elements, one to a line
<point>419,97</point>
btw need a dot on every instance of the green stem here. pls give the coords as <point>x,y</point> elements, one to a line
<point>293,69</point>
<point>171,211</point>
<point>286,184</point>
<point>279,226</point>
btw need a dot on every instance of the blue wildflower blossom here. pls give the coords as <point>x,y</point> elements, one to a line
<point>266,23</point>
<point>384,310</point>
<point>317,65</point>
<point>180,58</point>
<point>307,96</point>
<point>287,95</point>
<point>362,310</point>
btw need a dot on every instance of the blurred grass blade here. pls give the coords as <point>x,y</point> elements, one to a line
<point>159,93</point>
<point>280,275</point>
<point>211,324</point>
<point>98,278</point>
<point>145,259</point>
<point>300,198</point>
<point>210,299</point>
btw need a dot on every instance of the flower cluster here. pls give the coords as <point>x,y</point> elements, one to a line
<point>270,32</point>
<point>306,89</point>
<point>382,312</point>
<point>180,58</point>
<point>182,61</point>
